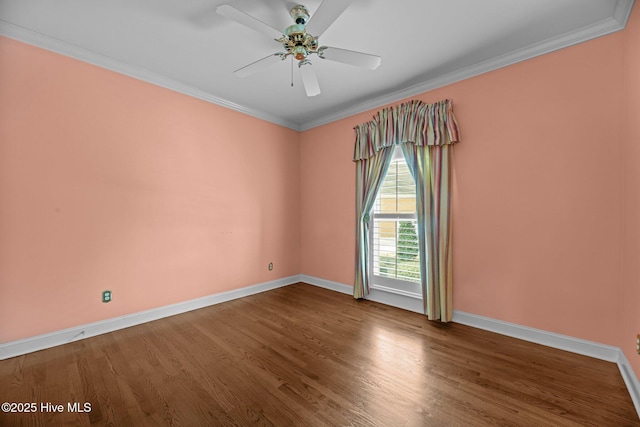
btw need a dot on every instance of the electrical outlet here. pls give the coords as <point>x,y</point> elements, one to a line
<point>638,344</point>
<point>106,296</point>
<point>270,266</point>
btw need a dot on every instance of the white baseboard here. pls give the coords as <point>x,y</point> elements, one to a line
<point>327,284</point>
<point>550,339</point>
<point>41,342</point>
<point>538,336</point>
<point>562,342</point>
<point>630,379</point>
<point>394,300</point>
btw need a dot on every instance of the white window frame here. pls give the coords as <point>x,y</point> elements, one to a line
<point>387,284</point>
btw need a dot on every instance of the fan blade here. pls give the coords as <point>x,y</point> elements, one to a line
<point>259,65</point>
<point>240,17</point>
<point>309,78</point>
<point>350,57</point>
<point>327,12</point>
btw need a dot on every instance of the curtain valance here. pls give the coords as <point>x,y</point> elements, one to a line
<point>414,121</point>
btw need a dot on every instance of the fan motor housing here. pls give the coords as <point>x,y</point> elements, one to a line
<point>297,42</point>
<point>292,30</point>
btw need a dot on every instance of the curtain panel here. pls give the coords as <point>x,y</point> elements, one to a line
<point>427,132</point>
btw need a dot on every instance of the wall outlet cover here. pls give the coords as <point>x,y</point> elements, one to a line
<point>106,296</point>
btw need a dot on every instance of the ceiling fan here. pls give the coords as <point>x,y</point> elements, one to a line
<point>300,41</point>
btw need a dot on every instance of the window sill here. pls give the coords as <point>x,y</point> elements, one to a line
<point>397,299</point>
<point>396,291</point>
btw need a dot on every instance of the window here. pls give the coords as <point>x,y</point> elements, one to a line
<point>395,254</point>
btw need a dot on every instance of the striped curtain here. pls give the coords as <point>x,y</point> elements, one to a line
<point>370,173</point>
<point>427,133</point>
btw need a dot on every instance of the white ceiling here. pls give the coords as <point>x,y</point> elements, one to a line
<point>185,46</point>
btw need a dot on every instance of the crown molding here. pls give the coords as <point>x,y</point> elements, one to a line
<point>43,41</point>
<point>607,26</point>
<point>623,11</point>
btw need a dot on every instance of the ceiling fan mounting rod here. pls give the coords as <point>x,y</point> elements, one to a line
<point>300,14</point>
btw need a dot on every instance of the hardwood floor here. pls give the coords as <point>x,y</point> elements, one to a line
<point>305,356</point>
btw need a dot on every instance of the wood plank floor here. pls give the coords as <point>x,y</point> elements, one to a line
<point>305,356</point>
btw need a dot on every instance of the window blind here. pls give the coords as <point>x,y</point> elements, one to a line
<point>394,237</point>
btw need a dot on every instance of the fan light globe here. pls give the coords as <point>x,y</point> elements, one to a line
<point>300,53</point>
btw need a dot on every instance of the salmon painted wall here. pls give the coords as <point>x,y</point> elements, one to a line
<point>537,192</point>
<point>107,182</point>
<point>630,322</point>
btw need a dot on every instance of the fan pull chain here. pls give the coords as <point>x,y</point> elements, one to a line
<point>292,71</point>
